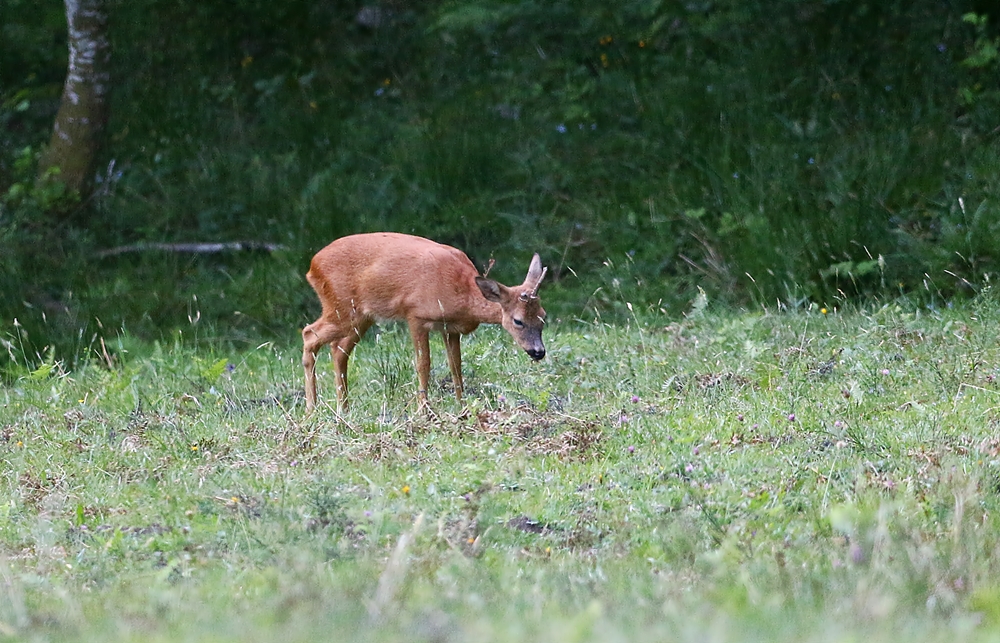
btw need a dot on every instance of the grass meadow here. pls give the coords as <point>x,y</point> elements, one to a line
<point>771,475</point>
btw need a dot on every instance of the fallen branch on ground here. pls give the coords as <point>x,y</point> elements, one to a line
<point>198,248</point>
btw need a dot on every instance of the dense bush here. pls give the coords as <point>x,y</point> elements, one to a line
<point>791,150</point>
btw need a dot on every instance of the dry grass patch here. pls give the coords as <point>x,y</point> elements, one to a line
<point>542,433</point>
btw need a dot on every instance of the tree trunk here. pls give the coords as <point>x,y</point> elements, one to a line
<point>82,112</point>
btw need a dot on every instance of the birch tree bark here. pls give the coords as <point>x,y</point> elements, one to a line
<point>82,114</point>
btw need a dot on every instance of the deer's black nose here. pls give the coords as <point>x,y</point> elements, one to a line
<point>536,353</point>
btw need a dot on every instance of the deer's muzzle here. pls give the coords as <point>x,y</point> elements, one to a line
<point>535,353</point>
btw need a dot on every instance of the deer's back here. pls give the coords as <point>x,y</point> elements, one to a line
<point>387,275</point>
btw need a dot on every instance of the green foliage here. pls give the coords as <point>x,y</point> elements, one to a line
<point>32,65</point>
<point>30,269</point>
<point>984,56</point>
<point>985,50</point>
<point>32,198</point>
<point>646,149</point>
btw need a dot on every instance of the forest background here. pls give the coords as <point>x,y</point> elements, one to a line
<point>791,151</point>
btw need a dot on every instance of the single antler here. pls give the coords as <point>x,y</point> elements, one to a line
<point>531,287</point>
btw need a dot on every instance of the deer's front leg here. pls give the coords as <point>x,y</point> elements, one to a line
<point>314,336</point>
<point>421,347</point>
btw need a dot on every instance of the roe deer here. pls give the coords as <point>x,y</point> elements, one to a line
<point>386,275</point>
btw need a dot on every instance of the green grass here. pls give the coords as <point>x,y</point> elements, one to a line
<point>731,476</point>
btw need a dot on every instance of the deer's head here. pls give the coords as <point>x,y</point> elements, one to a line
<point>523,315</point>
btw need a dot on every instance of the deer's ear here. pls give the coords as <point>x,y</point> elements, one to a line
<point>535,269</point>
<point>490,289</point>
<point>535,274</point>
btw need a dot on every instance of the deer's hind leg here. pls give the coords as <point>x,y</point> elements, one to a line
<point>453,346</point>
<point>341,352</point>
<point>421,349</point>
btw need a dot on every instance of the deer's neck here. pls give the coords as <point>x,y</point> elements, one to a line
<point>487,312</point>
<point>483,310</point>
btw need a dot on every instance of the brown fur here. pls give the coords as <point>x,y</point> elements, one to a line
<point>385,275</point>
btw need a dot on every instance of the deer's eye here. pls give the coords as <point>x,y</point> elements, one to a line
<point>518,323</point>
